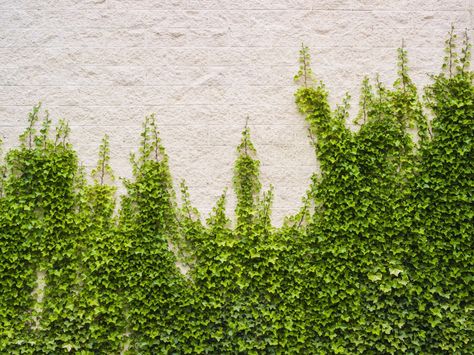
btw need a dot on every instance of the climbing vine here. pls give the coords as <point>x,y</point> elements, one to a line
<point>379,258</point>
<point>383,265</point>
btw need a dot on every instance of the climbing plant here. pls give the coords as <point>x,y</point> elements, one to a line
<point>95,314</point>
<point>443,215</point>
<point>378,259</point>
<point>383,265</point>
<point>38,227</point>
<point>243,279</point>
<point>153,290</point>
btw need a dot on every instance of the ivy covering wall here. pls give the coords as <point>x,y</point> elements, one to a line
<point>379,259</point>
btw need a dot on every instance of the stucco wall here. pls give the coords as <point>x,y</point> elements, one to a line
<point>203,66</point>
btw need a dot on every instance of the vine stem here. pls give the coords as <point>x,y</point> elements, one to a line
<point>304,67</point>
<point>450,51</point>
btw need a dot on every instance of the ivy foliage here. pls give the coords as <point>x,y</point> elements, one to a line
<point>243,277</point>
<point>379,258</point>
<point>153,289</point>
<point>392,229</point>
<point>38,231</point>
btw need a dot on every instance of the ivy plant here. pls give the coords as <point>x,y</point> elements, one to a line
<point>378,259</point>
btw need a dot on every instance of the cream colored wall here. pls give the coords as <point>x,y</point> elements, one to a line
<point>203,66</point>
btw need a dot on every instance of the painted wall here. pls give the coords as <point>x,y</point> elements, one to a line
<point>203,67</point>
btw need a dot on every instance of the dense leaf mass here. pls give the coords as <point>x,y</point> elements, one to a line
<point>379,259</point>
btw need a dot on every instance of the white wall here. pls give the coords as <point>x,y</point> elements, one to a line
<point>203,66</point>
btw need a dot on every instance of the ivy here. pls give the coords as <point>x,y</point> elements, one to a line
<point>246,181</point>
<point>378,259</point>
<point>152,287</point>
<point>39,216</point>
<point>377,252</point>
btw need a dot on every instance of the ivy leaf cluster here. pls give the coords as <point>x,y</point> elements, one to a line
<point>386,254</point>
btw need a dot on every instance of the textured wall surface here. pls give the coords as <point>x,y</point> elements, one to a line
<point>203,66</point>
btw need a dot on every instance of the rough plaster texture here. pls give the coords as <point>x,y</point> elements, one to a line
<point>203,66</point>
